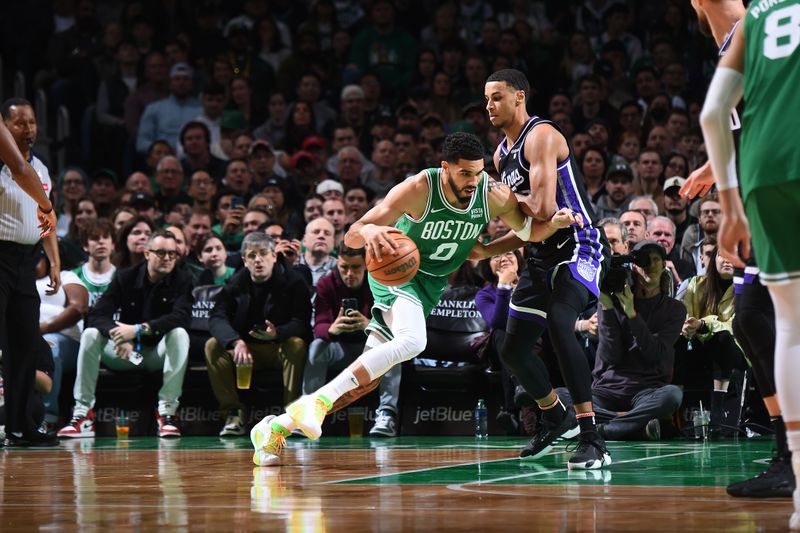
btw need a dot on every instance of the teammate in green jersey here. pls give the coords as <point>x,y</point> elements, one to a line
<point>443,210</point>
<point>763,64</point>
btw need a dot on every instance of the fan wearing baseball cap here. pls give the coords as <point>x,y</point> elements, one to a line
<point>619,188</point>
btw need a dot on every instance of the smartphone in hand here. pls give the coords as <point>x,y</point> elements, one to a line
<point>349,305</point>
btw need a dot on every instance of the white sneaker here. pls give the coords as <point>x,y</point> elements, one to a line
<point>234,425</point>
<point>308,412</point>
<point>385,425</point>
<point>268,445</point>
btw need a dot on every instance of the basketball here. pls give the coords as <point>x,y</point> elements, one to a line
<point>393,270</point>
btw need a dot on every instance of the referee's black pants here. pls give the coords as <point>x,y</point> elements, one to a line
<point>19,331</point>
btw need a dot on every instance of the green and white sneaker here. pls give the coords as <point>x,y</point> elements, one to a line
<point>268,440</point>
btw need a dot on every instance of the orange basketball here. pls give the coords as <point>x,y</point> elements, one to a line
<point>393,270</point>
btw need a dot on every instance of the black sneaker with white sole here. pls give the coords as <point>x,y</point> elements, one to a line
<point>777,481</point>
<point>549,434</point>
<point>590,452</point>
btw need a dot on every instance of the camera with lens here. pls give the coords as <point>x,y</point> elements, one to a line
<point>621,270</point>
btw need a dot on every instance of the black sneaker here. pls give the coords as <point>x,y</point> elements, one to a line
<point>590,453</point>
<point>777,481</point>
<point>549,434</point>
<point>33,439</point>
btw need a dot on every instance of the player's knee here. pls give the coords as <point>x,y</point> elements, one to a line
<point>411,346</point>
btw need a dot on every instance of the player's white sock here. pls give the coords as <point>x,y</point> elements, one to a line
<point>286,422</point>
<point>344,382</point>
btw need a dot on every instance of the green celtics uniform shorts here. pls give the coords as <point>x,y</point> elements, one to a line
<point>423,289</point>
<point>774,216</point>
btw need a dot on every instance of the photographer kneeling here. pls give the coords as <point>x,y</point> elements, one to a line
<point>637,329</point>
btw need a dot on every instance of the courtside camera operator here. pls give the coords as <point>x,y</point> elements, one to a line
<point>638,324</point>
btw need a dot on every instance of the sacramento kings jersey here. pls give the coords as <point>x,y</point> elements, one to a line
<point>445,234</point>
<point>582,248</point>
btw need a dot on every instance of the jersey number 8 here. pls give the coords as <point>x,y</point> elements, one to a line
<point>782,29</point>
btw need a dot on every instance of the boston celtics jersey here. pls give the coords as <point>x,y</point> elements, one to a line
<point>96,284</point>
<point>771,80</point>
<point>445,234</point>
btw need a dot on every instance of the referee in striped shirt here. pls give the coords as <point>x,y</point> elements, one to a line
<point>26,216</point>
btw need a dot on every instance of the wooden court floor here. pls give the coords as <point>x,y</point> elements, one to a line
<point>402,484</point>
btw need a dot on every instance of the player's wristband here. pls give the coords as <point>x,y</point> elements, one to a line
<point>524,233</point>
<point>46,211</point>
<point>505,286</point>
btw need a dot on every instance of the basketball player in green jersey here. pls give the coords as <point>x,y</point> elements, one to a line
<point>443,210</point>
<point>763,64</point>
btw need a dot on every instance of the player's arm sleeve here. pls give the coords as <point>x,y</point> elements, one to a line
<point>725,91</point>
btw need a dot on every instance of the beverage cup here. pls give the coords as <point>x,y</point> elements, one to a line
<point>122,424</point>
<point>355,420</point>
<point>244,374</point>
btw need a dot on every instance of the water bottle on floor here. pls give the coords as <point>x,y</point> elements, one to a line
<point>481,420</point>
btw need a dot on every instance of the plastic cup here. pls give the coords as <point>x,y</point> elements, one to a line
<point>244,374</point>
<point>355,420</point>
<point>122,424</point>
<point>700,421</point>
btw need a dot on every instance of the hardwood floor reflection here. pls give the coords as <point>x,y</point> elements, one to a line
<point>174,489</point>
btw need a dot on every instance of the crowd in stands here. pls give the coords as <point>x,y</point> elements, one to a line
<point>232,143</point>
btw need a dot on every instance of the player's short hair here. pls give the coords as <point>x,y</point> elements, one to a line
<point>513,78</point>
<point>462,145</point>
